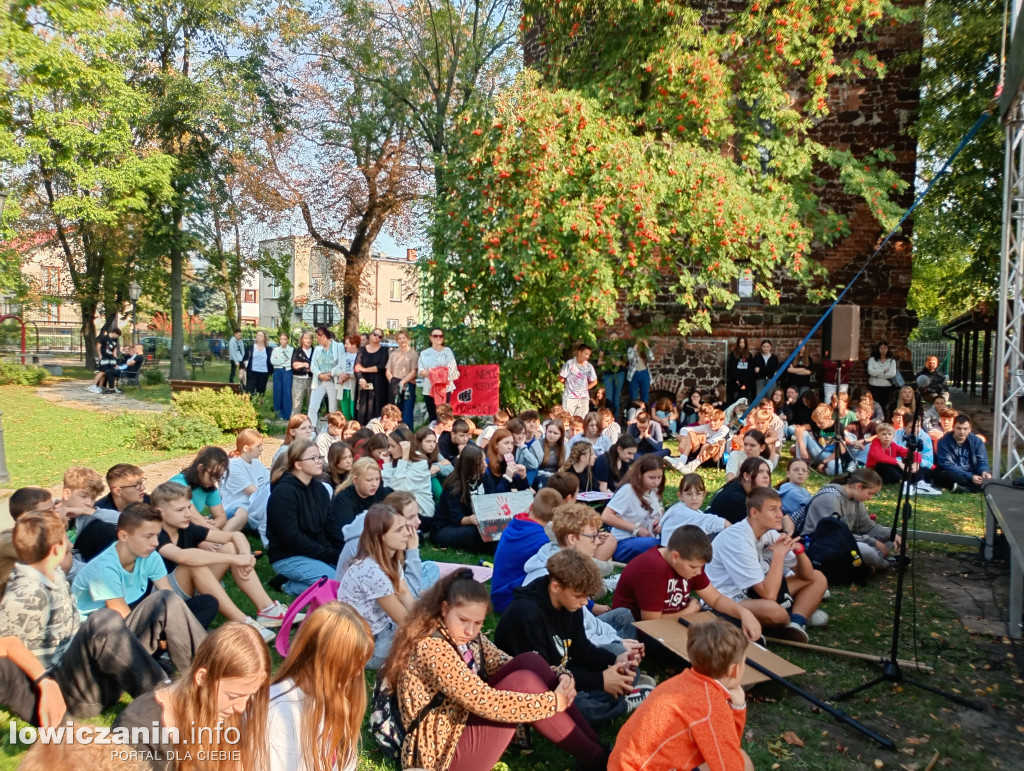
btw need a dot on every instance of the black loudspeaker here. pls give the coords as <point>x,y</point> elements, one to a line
<point>844,337</point>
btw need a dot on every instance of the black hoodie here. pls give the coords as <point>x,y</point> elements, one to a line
<point>300,522</point>
<point>532,623</point>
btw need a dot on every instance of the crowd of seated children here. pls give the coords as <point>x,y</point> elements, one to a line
<point>246,472</point>
<point>961,463</point>
<point>591,434</point>
<point>546,617</point>
<point>520,540</point>
<point>784,596</point>
<point>334,431</point>
<point>649,437</point>
<point>504,473</point>
<point>753,446</point>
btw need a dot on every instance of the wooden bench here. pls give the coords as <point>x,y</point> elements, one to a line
<point>197,361</point>
<point>195,385</point>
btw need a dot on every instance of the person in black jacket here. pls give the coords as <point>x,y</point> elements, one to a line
<point>304,540</point>
<point>454,520</point>
<point>766,364</point>
<point>546,616</point>
<point>256,363</point>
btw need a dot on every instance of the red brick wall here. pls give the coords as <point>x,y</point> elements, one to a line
<point>864,115</point>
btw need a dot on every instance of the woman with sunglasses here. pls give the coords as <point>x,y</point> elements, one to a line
<point>371,378</point>
<point>437,355</point>
<point>304,541</point>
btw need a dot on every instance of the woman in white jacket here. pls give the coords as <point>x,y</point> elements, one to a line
<point>327,365</point>
<point>882,371</point>
<point>318,696</point>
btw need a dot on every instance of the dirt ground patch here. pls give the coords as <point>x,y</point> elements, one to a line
<point>72,393</point>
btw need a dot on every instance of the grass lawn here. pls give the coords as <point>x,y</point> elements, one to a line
<point>43,438</point>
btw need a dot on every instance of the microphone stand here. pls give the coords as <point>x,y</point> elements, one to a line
<point>891,671</point>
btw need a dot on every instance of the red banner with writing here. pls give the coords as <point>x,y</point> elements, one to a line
<point>476,390</point>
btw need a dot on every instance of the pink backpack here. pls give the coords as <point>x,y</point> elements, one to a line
<point>323,591</point>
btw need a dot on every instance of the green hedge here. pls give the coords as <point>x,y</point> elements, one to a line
<point>227,411</point>
<point>21,374</point>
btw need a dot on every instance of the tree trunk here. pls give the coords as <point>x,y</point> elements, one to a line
<point>177,329</point>
<point>88,306</point>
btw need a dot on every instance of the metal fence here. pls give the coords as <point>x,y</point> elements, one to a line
<point>45,338</point>
<point>921,351</point>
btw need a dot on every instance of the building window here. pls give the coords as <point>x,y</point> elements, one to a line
<point>249,296</point>
<point>392,323</point>
<point>396,289</point>
<point>51,312</point>
<point>273,289</point>
<point>410,322</point>
<point>51,281</point>
<point>273,321</point>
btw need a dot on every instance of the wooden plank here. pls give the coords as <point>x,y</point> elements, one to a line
<point>673,635</point>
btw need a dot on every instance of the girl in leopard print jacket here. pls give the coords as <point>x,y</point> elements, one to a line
<point>485,693</point>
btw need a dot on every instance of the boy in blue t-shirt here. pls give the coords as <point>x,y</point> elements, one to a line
<point>118,578</point>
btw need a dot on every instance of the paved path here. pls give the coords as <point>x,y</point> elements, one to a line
<point>72,393</point>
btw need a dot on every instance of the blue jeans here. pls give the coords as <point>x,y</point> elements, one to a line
<point>302,573</point>
<point>409,406</point>
<point>640,385</point>
<point>634,547</point>
<point>613,383</point>
<point>283,393</point>
<point>600,707</point>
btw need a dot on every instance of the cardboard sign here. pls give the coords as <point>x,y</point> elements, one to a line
<point>673,635</point>
<point>494,512</point>
<point>476,390</point>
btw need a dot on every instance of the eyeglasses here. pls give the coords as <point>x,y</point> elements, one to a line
<point>440,337</point>
<point>591,536</point>
<point>314,458</point>
<point>377,334</point>
<point>140,485</point>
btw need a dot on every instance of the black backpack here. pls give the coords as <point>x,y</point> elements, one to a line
<point>833,550</point>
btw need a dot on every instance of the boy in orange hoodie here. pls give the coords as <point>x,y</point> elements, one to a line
<point>696,717</point>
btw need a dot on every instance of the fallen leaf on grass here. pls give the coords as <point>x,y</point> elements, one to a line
<point>917,739</point>
<point>778,748</point>
<point>791,738</point>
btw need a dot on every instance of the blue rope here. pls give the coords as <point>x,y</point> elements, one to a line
<point>942,172</point>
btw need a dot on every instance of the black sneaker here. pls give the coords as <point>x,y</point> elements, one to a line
<point>636,697</point>
<point>894,562</point>
<point>793,632</point>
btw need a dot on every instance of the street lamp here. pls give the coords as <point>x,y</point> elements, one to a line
<point>135,292</point>
<point>5,476</point>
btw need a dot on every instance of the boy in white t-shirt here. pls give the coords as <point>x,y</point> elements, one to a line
<point>752,565</point>
<point>578,376</point>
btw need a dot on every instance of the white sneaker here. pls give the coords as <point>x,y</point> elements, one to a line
<point>923,488</point>
<point>818,618</point>
<point>676,463</point>
<point>266,634</point>
<point>827,595</point>
<point>909,490</point>
<point>611,582</point>
<point>636,697</point>
<point>273,616</point>
<point>93,389</point>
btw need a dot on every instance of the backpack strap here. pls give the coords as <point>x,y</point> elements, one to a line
<point>298,604</point>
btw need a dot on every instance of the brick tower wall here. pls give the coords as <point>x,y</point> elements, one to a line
<point>864,115</point>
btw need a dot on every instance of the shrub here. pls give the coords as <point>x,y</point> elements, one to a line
<point>176,432</point>
<point>21,374</point>
<point>152,376</point>
<point>227,411</point>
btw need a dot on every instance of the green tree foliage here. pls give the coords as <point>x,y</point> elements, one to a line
<point>654,151</point>
<point>67,112</point>
<point>958,233</point>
